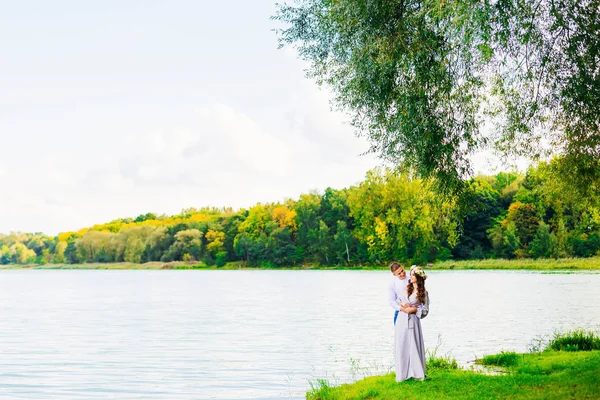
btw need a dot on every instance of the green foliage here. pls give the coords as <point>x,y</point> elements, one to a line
<point>401,218</point>
<point>505,239</point>
<point>543,243</point>
<point>145,217</point>
<point>221,259</point>
<point>481,204</point>
<point>417,78</point>
<point>525,220</point>
<point>547,375</point>
<point>586,245</point>
<point>578,340</point>
<point>389,216</point>
<point>504,359</point>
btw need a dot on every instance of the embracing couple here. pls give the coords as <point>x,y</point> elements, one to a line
<point>407,295</point>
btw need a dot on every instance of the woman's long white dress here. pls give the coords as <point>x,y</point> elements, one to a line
<point>409,346</point>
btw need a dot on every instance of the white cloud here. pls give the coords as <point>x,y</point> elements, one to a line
<point>221,157</point>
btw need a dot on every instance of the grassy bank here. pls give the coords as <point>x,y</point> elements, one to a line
<point>550,374</point>
<point>565,264</point>
<point>157,265</point>
<point>121,266</point>
<point>592,263</point>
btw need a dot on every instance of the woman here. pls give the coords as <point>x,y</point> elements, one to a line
<point>409,346</point>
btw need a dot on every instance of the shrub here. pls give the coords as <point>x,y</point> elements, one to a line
<point>221,259</point>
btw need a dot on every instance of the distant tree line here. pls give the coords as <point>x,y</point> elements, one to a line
<point>388,216</point>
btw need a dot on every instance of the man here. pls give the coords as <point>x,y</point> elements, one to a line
<point>397,286</point>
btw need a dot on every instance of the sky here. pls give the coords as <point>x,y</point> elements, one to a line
<point>112,109</point>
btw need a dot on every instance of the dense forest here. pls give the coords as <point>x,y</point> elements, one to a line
<point>388,216</point>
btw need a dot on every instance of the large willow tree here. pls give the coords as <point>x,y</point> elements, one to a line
<point>421,78</point>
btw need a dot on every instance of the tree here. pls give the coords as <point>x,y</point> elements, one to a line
<point>342,243</point>
<point>504,238</point>
<point>282,247</point>
<point>526,221</point>
<point>307,210</point>
<point>59,252</point>
<point>543,243</point>
<point>134,250</point>
<point>215,242</point>
<point>284,217</point>
<point>145,217</point>
<point>129,244</point>
<point>417,76</point>
<point>242,245</point>
<point>20,254</point>
<point>482,206</point>
<point>91,243</point>
<point>187,241</point>
<point>231,225</point>
<point>71,255</point>
<point>157,244</point>
<point>323,242</point>
<point>5,257</point>
<point>399,218</point>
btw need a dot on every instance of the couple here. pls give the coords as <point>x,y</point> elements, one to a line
<point>407,295</point>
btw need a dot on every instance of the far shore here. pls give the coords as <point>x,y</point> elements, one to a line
<point>563,264</point>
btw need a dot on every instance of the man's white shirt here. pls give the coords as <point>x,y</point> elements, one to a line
<point>396,287</point>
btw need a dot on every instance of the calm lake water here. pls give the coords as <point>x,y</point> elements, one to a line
<point>254,334</point>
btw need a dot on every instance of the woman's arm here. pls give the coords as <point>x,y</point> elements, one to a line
<point>409,309</point>
<point>423,309</point>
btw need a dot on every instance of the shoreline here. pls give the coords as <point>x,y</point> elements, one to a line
<point>565,264</point>
<point>546,374</point>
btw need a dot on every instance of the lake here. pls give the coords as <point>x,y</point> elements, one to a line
<point>72,334</point>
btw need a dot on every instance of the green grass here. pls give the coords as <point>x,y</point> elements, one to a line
<point>548,374</point>
<point>578,340</point>
<point>504,359</point>
<point>592,263</point>
<point>441,363</point>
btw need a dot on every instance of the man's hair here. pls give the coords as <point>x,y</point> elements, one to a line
<point>395,265</point>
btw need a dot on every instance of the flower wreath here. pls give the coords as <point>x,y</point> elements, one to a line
<point>419,271</point>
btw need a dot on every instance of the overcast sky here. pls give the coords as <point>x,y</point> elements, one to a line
<point>112,109</point>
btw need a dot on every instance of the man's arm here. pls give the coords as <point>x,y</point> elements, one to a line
<point>392,296</point>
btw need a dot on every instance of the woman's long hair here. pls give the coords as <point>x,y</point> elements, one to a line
<point>421,292</point>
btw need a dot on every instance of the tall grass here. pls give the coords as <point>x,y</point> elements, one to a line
<point>439,362</point>
<point>504,359</point>
<point>578,340</point>
<point>319,387</point>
